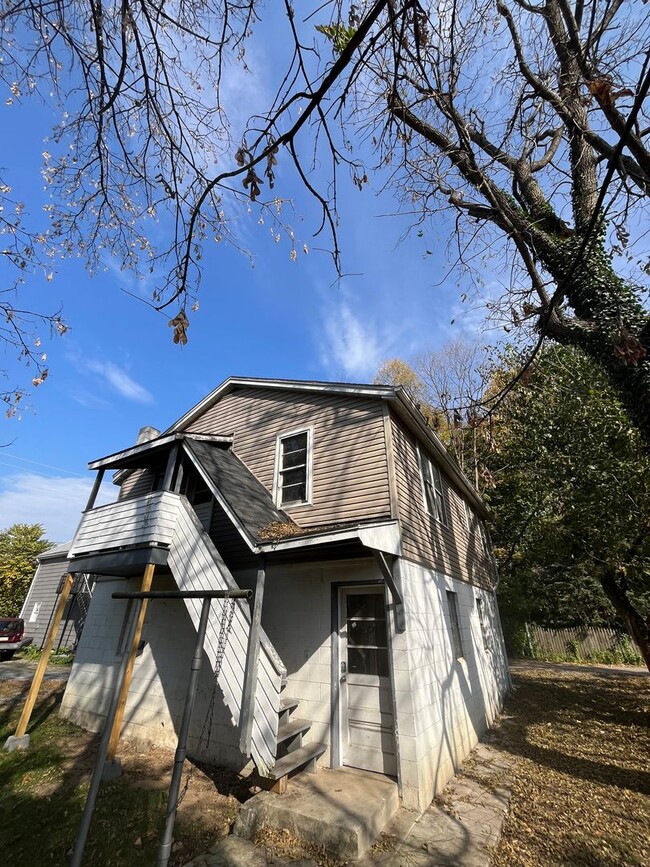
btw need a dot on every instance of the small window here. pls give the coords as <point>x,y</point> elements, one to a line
<point>481,620</point>
<point>293,469</point>
<point>432,489</point>
<point>483,533</point>
<point>456,641</point>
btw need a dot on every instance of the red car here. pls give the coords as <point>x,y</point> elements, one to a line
<point>12,631</point>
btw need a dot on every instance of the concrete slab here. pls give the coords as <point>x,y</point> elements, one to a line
<point>462,827</point>
<point>14,742</point>
<point>343,811</point>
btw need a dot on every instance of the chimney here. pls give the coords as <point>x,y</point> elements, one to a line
<point>147,433</point>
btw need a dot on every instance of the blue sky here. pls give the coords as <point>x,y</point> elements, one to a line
<point>117,369</point>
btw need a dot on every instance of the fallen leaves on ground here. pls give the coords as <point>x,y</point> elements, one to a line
<point>581,779</point>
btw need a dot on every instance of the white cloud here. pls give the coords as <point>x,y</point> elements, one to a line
<point>120,381</point>
<point>354,348</point>
<point>55,502</point>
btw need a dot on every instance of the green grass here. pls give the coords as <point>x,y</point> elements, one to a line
<point>43,789</point>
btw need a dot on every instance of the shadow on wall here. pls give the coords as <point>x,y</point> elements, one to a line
<point>159,688</point>
<point>156,698</point>
<point>463,694</point>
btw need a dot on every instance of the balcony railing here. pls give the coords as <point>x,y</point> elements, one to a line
<point>143,520</point>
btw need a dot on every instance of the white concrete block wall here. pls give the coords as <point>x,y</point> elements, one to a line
<point>452,701</point>
<point>156,697</point>
<point>297,617</point>
<point>442,705</point>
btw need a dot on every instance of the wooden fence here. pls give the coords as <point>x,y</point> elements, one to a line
<point>581,642</point>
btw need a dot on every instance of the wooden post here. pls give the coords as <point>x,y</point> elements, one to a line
<point>23,722</point>
<point>95,490</point>
<point>171,466</point>
<point>252,666</point>
<point>126,683</point>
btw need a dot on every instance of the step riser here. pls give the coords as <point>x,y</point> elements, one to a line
<point>342,812</point>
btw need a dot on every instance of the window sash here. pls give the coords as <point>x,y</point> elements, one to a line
<point>456,640</point>
<point>482,623</point>
<point>293,469</point>
<point>432,489</point>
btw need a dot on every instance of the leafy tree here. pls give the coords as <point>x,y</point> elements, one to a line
<point>527,121</point>
<point>571,500</point>
<point>20,545</point>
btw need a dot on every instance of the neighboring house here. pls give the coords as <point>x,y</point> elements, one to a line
<point>380,624</point>
<point>38,607</point>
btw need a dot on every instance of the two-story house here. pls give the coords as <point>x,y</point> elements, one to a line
<point>380,647</point>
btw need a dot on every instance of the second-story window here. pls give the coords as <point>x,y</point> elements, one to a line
<point>432,489</point>
<point>293,469</point>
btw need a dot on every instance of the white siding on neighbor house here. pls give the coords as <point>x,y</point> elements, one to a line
<point>41,600</point>
<point>443,704</point>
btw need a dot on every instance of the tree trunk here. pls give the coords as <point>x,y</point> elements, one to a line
<point>639,627</point>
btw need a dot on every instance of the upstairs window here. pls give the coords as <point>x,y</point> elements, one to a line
<point>477,525</point>
<point>456,641</point>
<point>432,490</point>
<point>293,469</point>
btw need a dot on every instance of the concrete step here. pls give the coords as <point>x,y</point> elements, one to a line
<point>293,728</point>
<point>343,811</point>
<point>297,759</point>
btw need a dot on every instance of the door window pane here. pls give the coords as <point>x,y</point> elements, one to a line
<point>368,660</point>
<point>367,633</point>
<point>366,605</point>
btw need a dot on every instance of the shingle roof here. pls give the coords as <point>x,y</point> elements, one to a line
<point>243,492</point>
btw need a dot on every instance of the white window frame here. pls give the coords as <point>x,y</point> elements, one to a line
<point>455,631</point>
<point>477,527</point>
<point>438,490</point>
<point>480,610</point>
<point>277,485</point>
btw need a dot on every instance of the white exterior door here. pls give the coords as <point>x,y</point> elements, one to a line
<point>367,725</point>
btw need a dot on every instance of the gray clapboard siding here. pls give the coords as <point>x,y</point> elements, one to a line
<point>196,565</point>
<point>452,550</point>
<point>136,484</point>
<point>350,469</point>
<point>151,518</point>
<point>42,598</point>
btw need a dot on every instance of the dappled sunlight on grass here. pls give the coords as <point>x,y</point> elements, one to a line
<point>42,792</point>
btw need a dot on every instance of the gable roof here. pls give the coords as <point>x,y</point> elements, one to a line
<point>395,396</point>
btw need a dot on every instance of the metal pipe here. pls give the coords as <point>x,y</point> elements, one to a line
<point>165,847</point>
<point>93,789</point>
<point>184,594</point>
